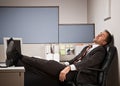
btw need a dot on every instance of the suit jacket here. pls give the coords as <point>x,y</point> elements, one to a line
<point>92,60</point>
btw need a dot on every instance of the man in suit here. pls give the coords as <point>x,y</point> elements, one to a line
<point>68,71</point>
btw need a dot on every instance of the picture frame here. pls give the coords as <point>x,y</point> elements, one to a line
<point>107,9</point>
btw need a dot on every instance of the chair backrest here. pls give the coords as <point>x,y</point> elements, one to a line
<point>111,50</point>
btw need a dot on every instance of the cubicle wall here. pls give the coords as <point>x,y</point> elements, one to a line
<point>41,25</point>
<point>76,33</point>
<point>33,24</point>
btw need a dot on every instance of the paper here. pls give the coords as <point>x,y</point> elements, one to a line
<point>56,49</point>
<point>62,46</point>
<point>47,49</point>
<point>56,57</point>
<point>62,52</point>
<point>49,56</point>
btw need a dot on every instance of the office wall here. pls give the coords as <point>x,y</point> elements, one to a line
<point>96,14</point>
<point>70,12</point>
<point>73,11</point>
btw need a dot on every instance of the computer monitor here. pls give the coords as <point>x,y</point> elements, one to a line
<point>17,41</point>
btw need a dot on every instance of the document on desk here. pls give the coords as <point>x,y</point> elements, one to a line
<point>56,57</point>
<point>3,65</point>
<point>49,56</point>
<point>47,49</point>
<point>62,49</point>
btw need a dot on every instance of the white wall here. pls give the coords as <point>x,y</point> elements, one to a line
<point>73,11</point>
<point>70,12</point>
<point>96,13</point>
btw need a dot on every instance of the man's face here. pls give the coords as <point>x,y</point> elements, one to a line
<point>101,38</point>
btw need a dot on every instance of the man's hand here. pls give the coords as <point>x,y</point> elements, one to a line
<point>62,75</point>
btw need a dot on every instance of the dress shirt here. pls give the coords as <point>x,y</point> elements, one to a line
<point>72,66</point>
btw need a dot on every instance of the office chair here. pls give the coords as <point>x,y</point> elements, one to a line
<point>103,71</point>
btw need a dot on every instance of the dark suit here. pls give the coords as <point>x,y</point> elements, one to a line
<point>92,59</point>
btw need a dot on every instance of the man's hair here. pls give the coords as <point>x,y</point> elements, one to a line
<point>109,38</point>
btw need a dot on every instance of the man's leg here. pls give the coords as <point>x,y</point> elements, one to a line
<point>35,77</point>
<point>50,67</point>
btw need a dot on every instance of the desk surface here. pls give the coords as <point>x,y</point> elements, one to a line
<point>11,69</point>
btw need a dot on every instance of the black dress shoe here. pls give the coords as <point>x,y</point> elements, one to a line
<point>11,53</point>
<point>9,62</point>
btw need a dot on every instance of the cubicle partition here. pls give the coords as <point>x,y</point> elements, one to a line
<point>33,24</point>
<point>76,33</point>
<point>41,25</point>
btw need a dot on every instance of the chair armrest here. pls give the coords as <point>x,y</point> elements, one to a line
<point>95,69</point>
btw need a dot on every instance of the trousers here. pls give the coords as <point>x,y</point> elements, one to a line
<point>49,67</point>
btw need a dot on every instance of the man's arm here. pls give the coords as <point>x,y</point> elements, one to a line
<point>70,66</point>
<point>63,73</point>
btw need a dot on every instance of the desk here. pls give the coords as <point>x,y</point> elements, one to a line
<point>12,76</point>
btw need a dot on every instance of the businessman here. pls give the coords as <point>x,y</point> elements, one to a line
<point>90,56</point>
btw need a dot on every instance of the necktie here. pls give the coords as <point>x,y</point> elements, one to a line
<point>84,53</point>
